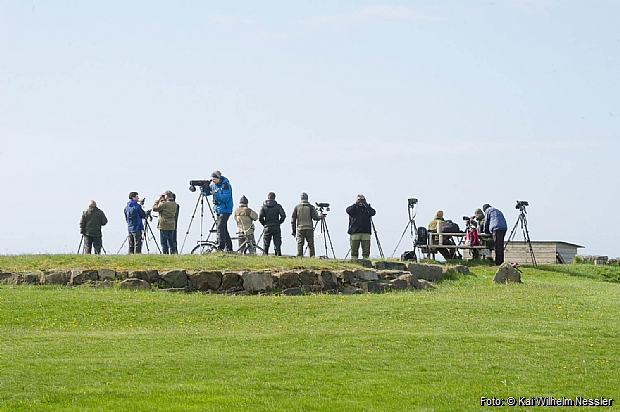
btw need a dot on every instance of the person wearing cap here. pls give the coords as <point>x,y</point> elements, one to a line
<point>303,226</point>
<point>360,226</point>
<point>495,224</point>
<point>271,216</point>
<point>221,190</point>
<point>245,217</point>
<point>479,219</point>
<point>166,208</point>
<point>447,253</point>
<point>134,215</point>
<point>90,228</point>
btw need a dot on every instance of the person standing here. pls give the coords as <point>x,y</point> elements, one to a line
<point>134,215</point>
<point>221,190</point>
<point>166,207</point>
<point>302,223</point>
<point>360,227</point>
<point>495,224</point>
<point>245,218</point>
<point>271,216</point>
<point>90,228</point>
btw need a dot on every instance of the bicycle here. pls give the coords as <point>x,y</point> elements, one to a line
<point>209,246</point>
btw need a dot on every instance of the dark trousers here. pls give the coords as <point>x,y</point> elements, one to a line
<point>135,242</point>
<point>168,242</point>
<point>498,241</point>
<point>275,233</point>
<point>308,236</point>
<point>224,242</point>
<point>90,242</point>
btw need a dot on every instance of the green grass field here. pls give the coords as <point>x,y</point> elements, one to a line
<point>76,349</point>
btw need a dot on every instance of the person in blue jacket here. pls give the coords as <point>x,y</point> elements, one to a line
<point>134,215</point>
<point>495,224</point>
<point>221,190</point>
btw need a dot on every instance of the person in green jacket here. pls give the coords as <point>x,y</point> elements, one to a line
<point>166,207</point>
<point>303,225</point>
<point>90,228</point>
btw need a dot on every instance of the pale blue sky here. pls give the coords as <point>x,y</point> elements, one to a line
<point>456,103</point>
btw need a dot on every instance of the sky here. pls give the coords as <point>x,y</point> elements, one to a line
<point>455,103</point>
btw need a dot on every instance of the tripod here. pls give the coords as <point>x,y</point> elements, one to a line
<point>522,221</point>
<point>145,235</point>
<point>374,230</point>
<point>82,241</point>
<point>325,231</point>
<point>410,225</point>
<point>201,198</point>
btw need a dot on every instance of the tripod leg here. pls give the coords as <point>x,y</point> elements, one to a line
<point>401,238</point>
<point>80,245</point>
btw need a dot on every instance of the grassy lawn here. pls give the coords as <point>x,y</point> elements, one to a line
<point>439,349</point>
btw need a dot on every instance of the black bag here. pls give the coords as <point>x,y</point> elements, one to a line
<point>421,236</point>
<point>408,255</point>
<point>450,227</point>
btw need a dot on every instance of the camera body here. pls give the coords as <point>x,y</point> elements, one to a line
<point>521,204</point>
<point>322,206</point>
<point>198,183</point>
<point>412,201</point>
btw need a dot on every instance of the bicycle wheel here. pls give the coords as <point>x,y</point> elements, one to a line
<point>204,248</point>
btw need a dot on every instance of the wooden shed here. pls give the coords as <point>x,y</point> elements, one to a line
<point>544,252</point>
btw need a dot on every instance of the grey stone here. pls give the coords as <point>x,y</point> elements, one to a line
<point>365,275</point>
<point>31,278</point>
<point>412,281</point>
<point>390,274</point>
<point>134,283</point>
<point>328,280</point>
<point>311,288</point>
<point>56,277</point>
<point>7,277</point>
<point>600,260</point>
<point>153,275</point>
<point>80,277</point>
<point>462,269</point>
<point>424,284</point>
<point>107,274</point>
<point>174,278</point>
<point>292,292</point>
<point>389,265</point>
<point>372,287</point>
<point>308,277</point>
<point>507,273</point>
<point>206,280</point>
<point>139,274</point>
<point>344,276</point>
<point>257,281</point>
<point>105,284</point>
<point>286,280</point>
<point>231,280</point>
<point>398,284</point>
<point>425,271</point>
<point>614,262</point>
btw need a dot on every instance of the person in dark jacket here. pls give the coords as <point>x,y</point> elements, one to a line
<point>221,190</point>
<point>495,224</point>
<point>90,228</point>
<point>271,216</point>
<point>360,226</point>
<point>134,215</point>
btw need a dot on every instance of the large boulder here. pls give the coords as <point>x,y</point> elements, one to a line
<point>31,278</point>
<point>507,273</point>
<point>372,287</point>
<point>365,275</point>
<point>107,274</point>
<point>328,280</point>
<point>389,265</point>
<point>176,279</point>
<point>7,277</point>
<point>425,271</point>
<point>231,280</point>
<point>206,280</point>
<point>139,274</point>
<point>257,281</point>
<point>56,277</point>
<point>308,277</point>
<point>287,280</point>
<point>134,283</point>
<point>80,277</point>
<point>345,276</point>
<point>412,281</point>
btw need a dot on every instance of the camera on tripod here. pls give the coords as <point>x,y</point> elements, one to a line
<point>412,202</point>
<point>198,183</point>
<point>521,204</point>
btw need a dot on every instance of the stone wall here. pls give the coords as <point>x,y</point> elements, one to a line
<point>384,276</point>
